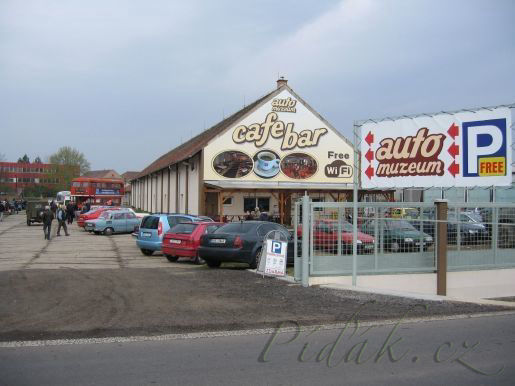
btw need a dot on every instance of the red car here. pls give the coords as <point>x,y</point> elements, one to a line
<point>325,237</point>
<point>183,240</point>
<point>93,214</point>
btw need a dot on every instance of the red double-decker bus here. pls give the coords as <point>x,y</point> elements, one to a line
<point>97,191</point>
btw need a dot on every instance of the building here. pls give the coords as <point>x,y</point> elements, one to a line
<point>264,156</point>
<point>107,173</point>
<point>35,179</point>
<point>127,177</point>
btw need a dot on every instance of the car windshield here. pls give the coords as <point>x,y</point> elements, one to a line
<point>105,215</point>
<point>236,228</point>
<point>396,224</point>
<point>183,228</point>
<point>150,222</point>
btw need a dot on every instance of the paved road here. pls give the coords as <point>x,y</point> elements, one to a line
<point>23,247</point>
<point>436,353</point>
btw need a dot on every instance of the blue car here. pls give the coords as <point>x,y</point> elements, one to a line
<point>113,221</point>
<point>153,228</point>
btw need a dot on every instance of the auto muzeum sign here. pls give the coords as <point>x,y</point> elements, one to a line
<point>467,148</point>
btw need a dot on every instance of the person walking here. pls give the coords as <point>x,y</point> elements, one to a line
<point>61,221</point>
<point>70,213</point>
<point>48,217</point>
<point>2,210</point>
<point>53,207</point>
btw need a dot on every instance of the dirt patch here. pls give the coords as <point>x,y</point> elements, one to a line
<point>66,303</point>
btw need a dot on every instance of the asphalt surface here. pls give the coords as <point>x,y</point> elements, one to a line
<point>97,286</point>
<point>478,351</point>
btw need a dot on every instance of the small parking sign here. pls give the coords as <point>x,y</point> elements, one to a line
<point>275,258</point>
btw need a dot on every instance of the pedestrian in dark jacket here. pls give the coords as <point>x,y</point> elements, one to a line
<point>2,210</point>
<point>53,207</point>
<point>70,212</point>
<point>61,221</point>
<point>48,217</point>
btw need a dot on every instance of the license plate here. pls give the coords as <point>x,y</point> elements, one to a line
<point>173,241</point>
<point>146,234</point>
<point>369,246</point>
<point>218,241</point>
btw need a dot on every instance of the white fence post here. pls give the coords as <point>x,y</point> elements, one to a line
<point>306,226</point>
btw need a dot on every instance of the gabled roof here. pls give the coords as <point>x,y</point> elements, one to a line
<point>99,173</point>
<point>127,176</point>
<point>197,143</point>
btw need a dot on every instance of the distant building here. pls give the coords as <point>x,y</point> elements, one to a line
<point>107,173</point>
<point>29,179</point>
<point>127,177</point>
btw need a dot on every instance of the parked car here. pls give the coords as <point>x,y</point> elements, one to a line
<point>325,237</point>
<point>183,239</point>
<point>239,242</point>
<point>113,221</point>
<point>153,228</point>
<point>506,227</point>
<point>92,214</point>
<point>471,229</point>
<point>406,213</point>
<point>398,235</point>
<point>34,211</point>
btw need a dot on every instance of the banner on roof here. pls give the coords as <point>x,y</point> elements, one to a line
<point>466,149</point>
<point>283,140</point>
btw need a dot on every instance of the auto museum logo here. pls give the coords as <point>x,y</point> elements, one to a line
<point>286,105</point>
<point>411,155</point>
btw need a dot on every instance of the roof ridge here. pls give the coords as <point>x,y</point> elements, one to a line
<point>194,144</point>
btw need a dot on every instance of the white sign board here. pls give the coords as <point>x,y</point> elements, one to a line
<point>281,141</point>
<point>466,149</point>
<point>275,258</point>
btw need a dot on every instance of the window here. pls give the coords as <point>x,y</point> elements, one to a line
<point>119,216</point>
<point>265,228</point>
<point>236,228</point>
<point>228,201</point>
<point>150,222</point>
<point>185,229</point>
<point>131,215</point>
<point>251,203</point>
<point>211,228</point>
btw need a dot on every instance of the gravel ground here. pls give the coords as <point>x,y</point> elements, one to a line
<point>74,303</point>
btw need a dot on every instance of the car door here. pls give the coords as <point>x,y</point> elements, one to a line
<point>132,222</point>
<point>120,222</point>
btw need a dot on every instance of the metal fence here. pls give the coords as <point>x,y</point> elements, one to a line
<point>401,237</point>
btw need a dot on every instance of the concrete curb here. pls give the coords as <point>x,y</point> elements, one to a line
<point>262,331</point>
<point>413,295</point>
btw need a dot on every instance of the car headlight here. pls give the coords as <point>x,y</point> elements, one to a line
<point>429,238</point>
<point>408,240</point>
<point>472,231</point>
<point>359,242</point>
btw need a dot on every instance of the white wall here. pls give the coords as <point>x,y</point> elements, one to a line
<point>193,186</point>
<point>488,283</point>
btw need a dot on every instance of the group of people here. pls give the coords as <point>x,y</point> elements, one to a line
<point>12,207</point>
<point>256,214</point>
<point>63,213</point>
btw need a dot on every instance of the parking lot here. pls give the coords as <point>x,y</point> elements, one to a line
<point>23,247</point>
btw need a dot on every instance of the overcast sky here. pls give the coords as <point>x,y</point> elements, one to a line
<point>125,81</point>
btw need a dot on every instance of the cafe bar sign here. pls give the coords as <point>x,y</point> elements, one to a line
<point>272,144</point>
<point>464,149</point>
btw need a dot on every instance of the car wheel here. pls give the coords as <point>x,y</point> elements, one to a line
<point>255,260</point>
<point>198,260</point>
<point>172,259</point>
<point>147,252</point>
<point>213,263</point>
<point>97,232</point>
<point>108,231</point>
<point>28,222</point>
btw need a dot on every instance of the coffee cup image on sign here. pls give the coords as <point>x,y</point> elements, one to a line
<point>233,164</point>
<point>299,166</point>
<point>266,164</point>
